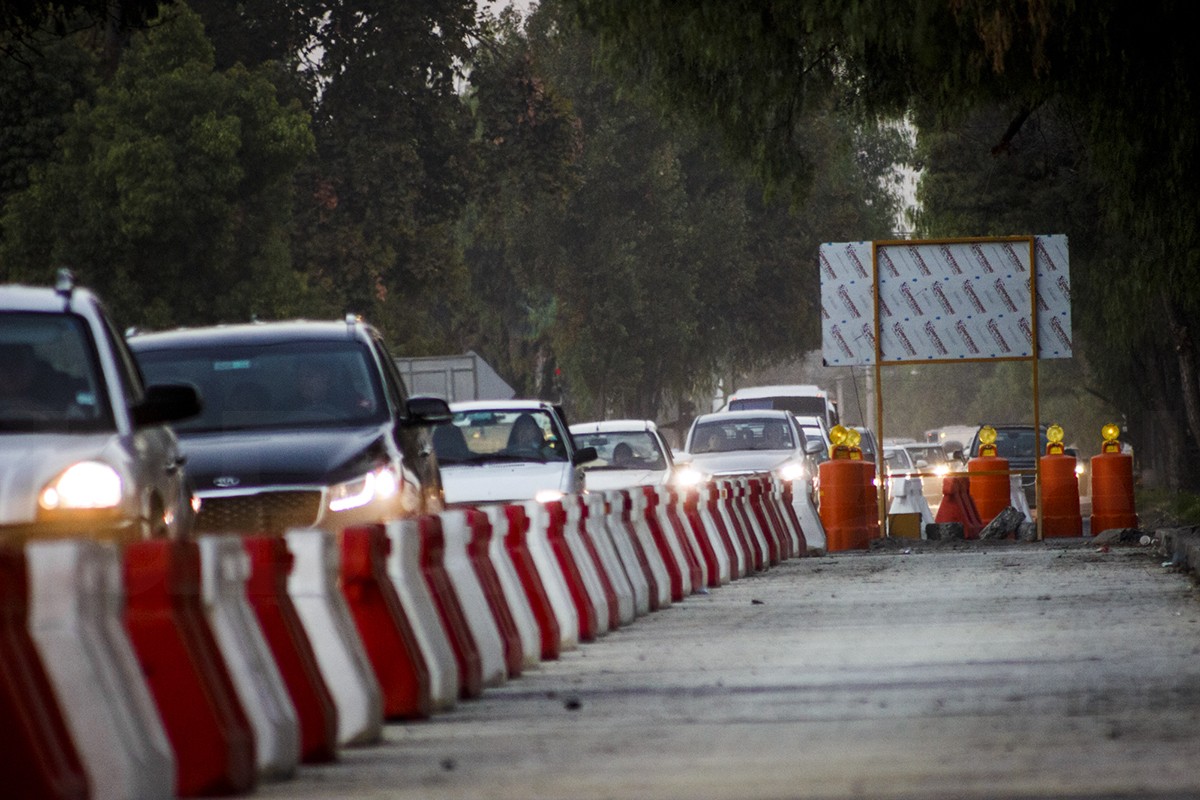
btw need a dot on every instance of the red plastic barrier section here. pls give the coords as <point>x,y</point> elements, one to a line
<point>203,717</point>
<point>741,527</point>
<point>589,627</point>
<point>1059,513</point>
<point>1112,492</point>
<point>481,561</point>
<point>793,518</point>
<point>37,752</point>
<point>674,571</point>
<point>957,506</point>
<point>845,504</point>
<point>758,505</point>
<point>606,584</point>
<point>691,514</point>
<point>991,493</point>
<point>712,499</point>
<point>266,589</point>
<point>626,512</point>
<point>450,610</point>
<point>531,582</point>
<point>386,632</point>
<point>675,518</point>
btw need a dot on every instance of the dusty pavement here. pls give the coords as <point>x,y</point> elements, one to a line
<point>975,671</point>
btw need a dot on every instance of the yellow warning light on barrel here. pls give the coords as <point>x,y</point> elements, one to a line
<point>1110,432</point>
<point>987,441</point>
<point>853,438</point>
<point>1054,438</point>
<point>839,447</point>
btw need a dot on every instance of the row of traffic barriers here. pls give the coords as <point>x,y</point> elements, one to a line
<point>201,667</point>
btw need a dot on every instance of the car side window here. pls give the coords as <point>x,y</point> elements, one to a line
<point>393,383</point>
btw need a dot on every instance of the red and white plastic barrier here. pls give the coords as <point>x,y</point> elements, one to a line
<point>718,538</point>
<point>643,520</point>
<point>577,556</point>
<point>404,569</point>
<point>480,620</point>
<point>75,620</point>
<point>224,570</point>
<point>450,610</point>
<point>313,587</point>
<point>624,542</point>
<point>596,526</point>
<point>502,520</point>
<point>517,543</point>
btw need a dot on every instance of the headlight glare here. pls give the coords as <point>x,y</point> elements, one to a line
<point>88,484</point>
<point>689,477</point>
<point>791,471</point>
<point>378,484</point>
<point>548,495</point>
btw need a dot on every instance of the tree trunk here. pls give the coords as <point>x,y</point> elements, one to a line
<point>1185,354</point>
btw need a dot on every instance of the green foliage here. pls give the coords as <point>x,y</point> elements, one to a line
<point>170,192</point>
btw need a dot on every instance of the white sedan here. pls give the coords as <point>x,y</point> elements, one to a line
<point>629,452</point>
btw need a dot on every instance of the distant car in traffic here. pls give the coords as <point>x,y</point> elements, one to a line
<point>306,424</point>
<point>931,459</point>
<point>629,452</point>
<point>800,399</point>
<point>84,445</point>
<point>508,450</point>
<point>734,443</point>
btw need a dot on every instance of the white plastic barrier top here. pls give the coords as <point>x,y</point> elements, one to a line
<point>75,619</point>
<point>589,570</point>
<point>510,584</point>
<point>713,534</point>
<point>551,574</point>
<point>674,546</point>
<point>620,531</point>
<point>741,565</point>
<point>404,568</point>
<point>641,526</point>
<point>1017,497</point>
<point>224,569</point>
<point>597,528</point>
<point>313,588</point>
<point>810,519</point>
<point>908,498</point>
<point>480,620</point>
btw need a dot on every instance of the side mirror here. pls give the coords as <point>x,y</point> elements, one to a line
<point>921,464</point>
<point>167,402</point>
<point>427,411</point>
<point>584,455</point>
<point>813,448</point>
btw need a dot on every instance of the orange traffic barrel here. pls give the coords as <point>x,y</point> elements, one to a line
<point>1059,511</point>
<point>845,507</point>
<point>1112,492</point>
<point>991,493</point>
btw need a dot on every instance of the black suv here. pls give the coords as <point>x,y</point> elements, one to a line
<point>84,450</point>
<point>306,424</point>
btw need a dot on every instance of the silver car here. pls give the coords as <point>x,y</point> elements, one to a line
<point>84,449</point>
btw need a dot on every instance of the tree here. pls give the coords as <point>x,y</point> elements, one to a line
<point>170,193</point>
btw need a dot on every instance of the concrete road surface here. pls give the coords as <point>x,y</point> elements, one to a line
<point>962,671</point>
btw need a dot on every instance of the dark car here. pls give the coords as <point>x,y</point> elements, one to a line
<point>1022,448</point>
<point>84,449</point>
<point>306,424</point>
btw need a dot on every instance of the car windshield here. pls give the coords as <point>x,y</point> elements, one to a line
<point>1017,443</point>
<point>720,436</point>
<point>499,435</point>
<point>49,381</point>
<point>623,450</point>
<point>273,385</point>
<point>897,460</point>
<point>797,404</point>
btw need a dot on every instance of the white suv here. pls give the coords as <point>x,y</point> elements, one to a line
<point>83,445</point>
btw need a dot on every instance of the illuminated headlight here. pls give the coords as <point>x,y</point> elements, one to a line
<point>941,470</point>
<point>379,484</point>
<point>791,471</point>
<point>1079,469</point>
<point>88,484</point>
<point>548,495</point>
<point>689,477</point>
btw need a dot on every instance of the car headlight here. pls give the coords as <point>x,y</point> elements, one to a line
<point>548,495</point>
<point>941,470</point>
<point>379,484</point>
<point>689,477</point>
<point>1079,469</point>
<point>86,485</point>
<point>791,471</point>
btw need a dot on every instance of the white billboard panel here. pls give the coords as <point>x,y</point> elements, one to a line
<point>944,300</point>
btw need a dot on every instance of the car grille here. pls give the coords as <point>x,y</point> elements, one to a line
<point>259,513</point>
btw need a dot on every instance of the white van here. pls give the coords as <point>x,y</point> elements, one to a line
<point>803,400</point>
